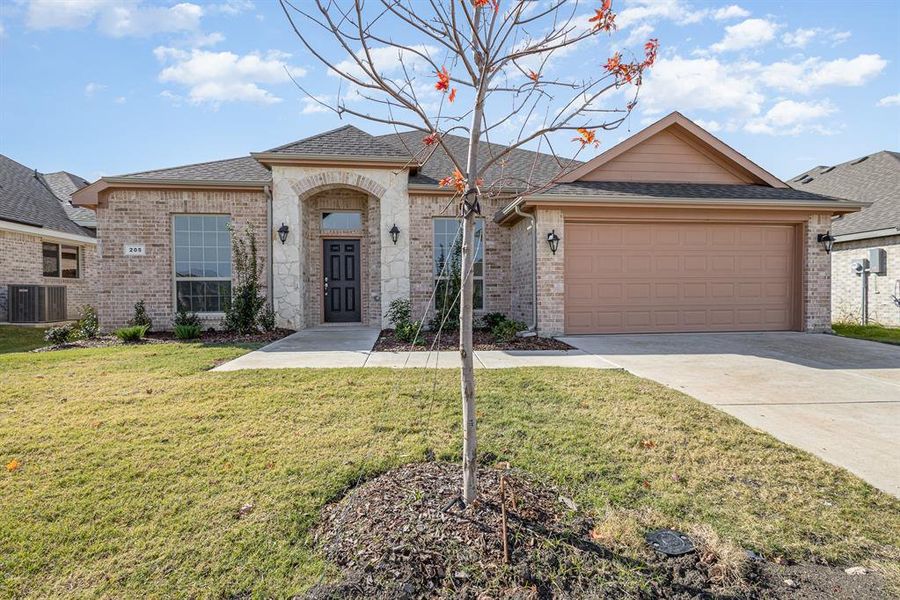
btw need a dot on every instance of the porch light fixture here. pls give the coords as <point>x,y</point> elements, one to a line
<point>827,241</point>
<point>553,241</point>
<point>282,233</point>
<point>395,233</point>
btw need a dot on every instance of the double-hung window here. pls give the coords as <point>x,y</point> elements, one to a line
<point>447,246</point>
<point>202,246</point>
<point>61,260</point>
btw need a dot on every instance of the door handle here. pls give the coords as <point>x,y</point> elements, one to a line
<point>326,286</point>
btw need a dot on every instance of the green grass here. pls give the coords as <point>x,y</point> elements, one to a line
<point>20,339</point>
<point>135,461</point>
<point>875,333</point>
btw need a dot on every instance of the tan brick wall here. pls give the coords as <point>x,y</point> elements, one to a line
<point>145,217</point>
<point>846,286</point>
<point>423,209</point>
<point>521,261</point>
<point>551,274</point>
<point>369,248</point>
<point>22,263</point>
<point>816,279</point>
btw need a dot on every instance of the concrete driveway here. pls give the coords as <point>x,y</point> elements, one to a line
<point>835,397</point>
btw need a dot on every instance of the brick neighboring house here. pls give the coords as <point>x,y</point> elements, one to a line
<point>671,230</point>
<point>873,179</point>
<point>44,239</point>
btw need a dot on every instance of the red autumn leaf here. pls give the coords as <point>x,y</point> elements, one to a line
<point>443,83</point>
<point>485,3</point>
<point>650,50</point>
<point>534,76</point>
<point>587,136</point>
<point>456,180</point>
<point>452,95</point>
<point>430,139</point>
<point>604,18</point>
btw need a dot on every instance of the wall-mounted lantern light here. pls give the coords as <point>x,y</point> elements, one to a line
<point>827,241</point>
<point>395,233</point>
<point>282,233</point>
<point>553,241</point>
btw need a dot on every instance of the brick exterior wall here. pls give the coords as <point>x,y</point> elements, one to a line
<point>816,279</point>
<point>551,274</point>
<point>846,286</point>
<point>145,217</point>
<point>22,263</point>
<point>423,209</point>
<point>369,248</point>
<point>521,264</point>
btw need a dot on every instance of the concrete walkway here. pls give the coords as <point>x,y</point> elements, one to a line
<point>835,397</point>
<point>335,347</point>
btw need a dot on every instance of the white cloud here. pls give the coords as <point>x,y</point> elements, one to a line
<point>120,100</point>
<point>639,34</point>
<point>789,117</point>
<point>648,10</point>
<point>315,106</point>
<point>890,100</point>
<point>116,18</point>
<point>746,34</point>
<point>232,7</point>
<point>92,88</point>
<point>216,77</point>
<point>814,73</point>
<point>711,125</point>
<point>731,12</point>
<point>799,38</point>
<point>2,31</point>
<point>386,59</point>
<point>205,39</point>
<point>699,84</point>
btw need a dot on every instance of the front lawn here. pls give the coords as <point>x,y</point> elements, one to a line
<point>14,338</point>
<point>875,333</point>
<point>134,462</point>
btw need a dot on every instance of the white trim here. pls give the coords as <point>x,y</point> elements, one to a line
<point>48,234</point>
<point>867,235</point>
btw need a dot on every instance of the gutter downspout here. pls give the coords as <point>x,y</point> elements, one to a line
<point>534,296</point>
<point>270,277</point>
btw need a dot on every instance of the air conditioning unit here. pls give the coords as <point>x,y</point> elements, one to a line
<point>37,303</point>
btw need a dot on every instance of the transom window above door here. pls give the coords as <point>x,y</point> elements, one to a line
<point>350,220</point>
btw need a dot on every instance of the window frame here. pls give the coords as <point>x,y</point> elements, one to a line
<point>59,260</point>
<point>176,279</point>
<point>479,221</point>
<point>323,230</point>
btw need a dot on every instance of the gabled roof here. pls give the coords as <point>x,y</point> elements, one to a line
<point>243,169</point>
<point>731,158</point>
<point>63,184</point>
<point>27,199</point>
<point>874,178</point>
<point>343,143</point>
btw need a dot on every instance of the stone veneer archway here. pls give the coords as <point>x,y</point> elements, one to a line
<point>295,264</point>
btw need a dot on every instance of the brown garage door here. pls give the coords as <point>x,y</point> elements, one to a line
<point>661,277</point>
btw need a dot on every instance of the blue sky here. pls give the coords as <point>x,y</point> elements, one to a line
<point>102,87</point>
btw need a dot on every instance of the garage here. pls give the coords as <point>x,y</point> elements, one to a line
<point>681,277</point>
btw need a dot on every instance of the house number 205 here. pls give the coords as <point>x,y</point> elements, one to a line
<point>135,250</point>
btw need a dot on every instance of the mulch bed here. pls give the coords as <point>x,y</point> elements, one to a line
<point>401,535</point>
<point>168,337</point>
<point>482,339</point>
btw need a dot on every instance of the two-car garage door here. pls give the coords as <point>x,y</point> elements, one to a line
<point>679,277</point>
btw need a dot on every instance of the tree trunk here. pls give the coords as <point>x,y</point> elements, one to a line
<point>467,378</point>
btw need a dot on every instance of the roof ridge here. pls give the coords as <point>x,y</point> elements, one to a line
<point>197,164</point>
<point>317,136</point>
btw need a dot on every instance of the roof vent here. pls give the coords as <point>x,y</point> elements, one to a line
<point>859,160</point>
<point>827,170</point>
<point>799,177</point>
<point>807,180</point>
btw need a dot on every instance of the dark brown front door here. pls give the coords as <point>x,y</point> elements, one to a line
<point>341,267</point>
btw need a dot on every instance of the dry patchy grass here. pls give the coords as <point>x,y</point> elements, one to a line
<point>136,460</point>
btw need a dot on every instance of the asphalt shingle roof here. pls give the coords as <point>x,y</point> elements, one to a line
<point>626,190</point>
<point>244,169</point>
<point>875,179</point>
<point>343,141</point>
<point>63,184</point>
<point>26,198</point>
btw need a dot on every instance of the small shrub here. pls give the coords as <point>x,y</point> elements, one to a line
<point>267,319</point>
<point>182,317</point>
<point>58,335</point>
<point>399,312</point>
<point>505,331</point>
<point>492,319</point>
<point>141,318</point>
<point>88,325</point>
<point>187,332</point>
<point>132,333</point>
<point>409,332</point>
<point>242,313</point>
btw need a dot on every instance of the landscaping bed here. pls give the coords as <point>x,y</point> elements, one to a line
<point>168,337</point>
<point>406,535</point>
<point>482,339</point>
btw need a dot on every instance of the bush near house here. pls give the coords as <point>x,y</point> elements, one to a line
<point>59,335</point>
<point>133,333</point>
<point>246,310</point>
<point>187,332</point>
<point>141,318</point>
<point>88,325</point>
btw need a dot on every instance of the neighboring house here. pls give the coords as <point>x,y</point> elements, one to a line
<point>671,230</point>
<point>44,239</point>
<point>873,179</point>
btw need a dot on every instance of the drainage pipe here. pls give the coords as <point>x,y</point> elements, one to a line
<point>865,296</point>
<point>534,295</point>
<point>270,277</point>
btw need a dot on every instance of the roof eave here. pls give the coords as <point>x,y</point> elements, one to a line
<point>866,235</point>
<point>45,232</point>
<point>286,158</point>
<point>89,195</point>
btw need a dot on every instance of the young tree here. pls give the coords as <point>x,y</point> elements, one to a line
<point>396,55</point>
